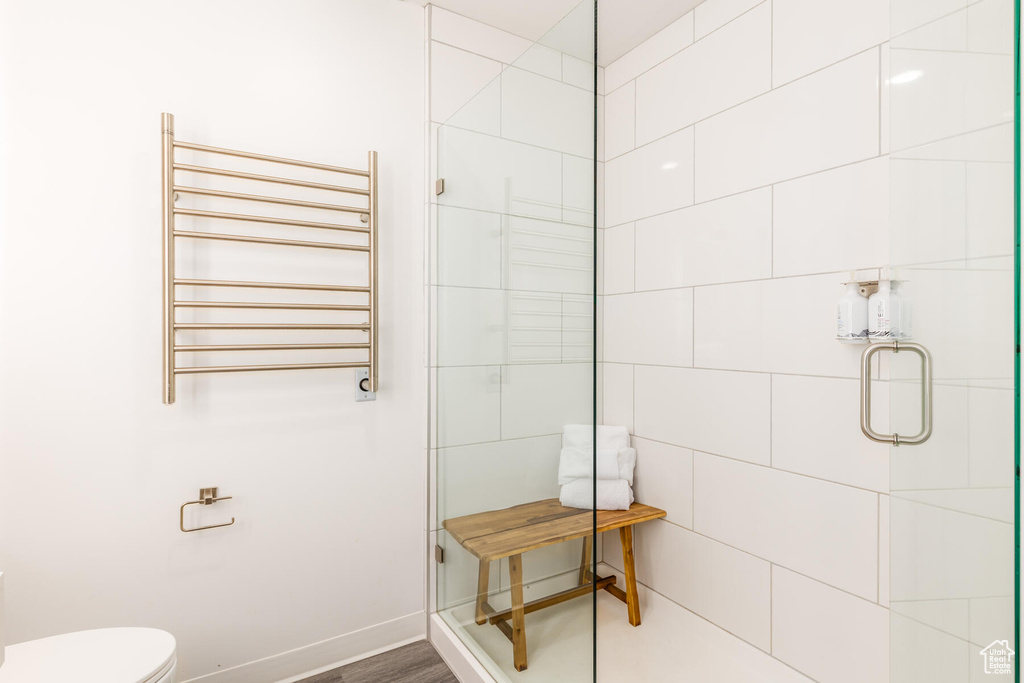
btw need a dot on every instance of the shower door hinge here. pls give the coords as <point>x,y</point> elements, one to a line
<point>439,554</point>
<point>439,186</point>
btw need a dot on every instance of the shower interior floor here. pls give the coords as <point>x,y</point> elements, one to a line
<point>672,645</point>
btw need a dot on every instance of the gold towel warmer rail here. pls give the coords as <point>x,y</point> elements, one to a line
<point>369,215</point>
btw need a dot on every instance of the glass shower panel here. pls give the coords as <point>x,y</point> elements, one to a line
<point>513,361</point>
<point>951,513</point>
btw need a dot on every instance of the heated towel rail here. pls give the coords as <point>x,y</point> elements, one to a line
<point>367,215</point>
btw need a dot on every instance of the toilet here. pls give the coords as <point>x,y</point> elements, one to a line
<point>108,655</point>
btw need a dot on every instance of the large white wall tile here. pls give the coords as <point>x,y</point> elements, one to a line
<point>456,76</point>
<point>726,240</point>
<point>487,173</point>
<point>810,34</point>
<point>578,72</point>
<point>832,221</point>
<point>541,60</point>
<point>655,49</point>
<point>618,259</point>
<point>785,325</point>
<point>822,121</point>
<point>935,553</point>
<point>468,405</point>
<point>827,634</point>
<point>496,475</point>
<point>728,67</point>
<point>728,587</point>
<point>927,654</point>
<point>664,479</point>
<point>620,120</point>
<point>471,326</point>
<point>474,36</point>
<point>654,328</point>
<point>990,27</point>
<point>990,436</point>
<point>617,396</point>
<point>711,15</point>
<point>468,248</point>
<point>883,551</point>
<point>720,412</point>
<point>542,399</point>
<point>816,431</point>
<point>650,180</point>
<point>817,528</point>
<point>989,209</point>
<point>578,189</point>
<point>547,113</point>
<point>926,230</point>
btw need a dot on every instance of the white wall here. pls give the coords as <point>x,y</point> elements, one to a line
<point>329,494</point>
<point>746,171</point>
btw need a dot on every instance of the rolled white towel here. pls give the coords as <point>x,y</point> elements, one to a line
<point>612,494</point>
<point>582,436</point>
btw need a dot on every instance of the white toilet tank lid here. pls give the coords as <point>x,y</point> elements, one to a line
<point>109,655</point>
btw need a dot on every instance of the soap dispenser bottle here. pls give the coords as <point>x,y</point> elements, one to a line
<point>852,314</point>
<point>884,312</point>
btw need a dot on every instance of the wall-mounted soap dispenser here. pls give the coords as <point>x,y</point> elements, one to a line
<point>852,314</point>
<point>885,315</point>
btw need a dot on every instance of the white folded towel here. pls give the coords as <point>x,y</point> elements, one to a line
<point>582,436</point>
<point>576,463</point>
<point>612,494</point>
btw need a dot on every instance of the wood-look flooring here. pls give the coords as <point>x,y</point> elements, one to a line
<point>416,663</point>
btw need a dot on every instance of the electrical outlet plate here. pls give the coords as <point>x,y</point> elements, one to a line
<point>363,379</point>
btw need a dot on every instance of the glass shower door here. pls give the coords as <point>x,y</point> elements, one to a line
<point>952,511</point>
<point>513,360</point>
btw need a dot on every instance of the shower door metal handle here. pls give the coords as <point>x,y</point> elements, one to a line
<point>895,439</point>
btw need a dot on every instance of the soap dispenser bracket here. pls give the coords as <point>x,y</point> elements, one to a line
<point>867,287</point>
<point>207,496</point>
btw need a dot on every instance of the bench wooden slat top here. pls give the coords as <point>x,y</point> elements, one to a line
<point>496,534</point>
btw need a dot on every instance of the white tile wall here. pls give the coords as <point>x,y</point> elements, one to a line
<point>620,107</point>
<point>832,221</point>
<point>617,397</point>
<point>656,49</point>
<point>471,326</point>
<point>728,413</point>
<point>827,119</point>
<point>707,78</point>
<point>811,526</point>
<point>469,405</point>
<point>664,479</point>
<point>765,326</point>
<point>830,635</point>
<point>618,275</point>
<point>448,95</point>
<point>650,180</point>
<point>711,15</point>
<point>808,35</point>
<point>541,399</point>
<point>726,240</point>
<point>654,328</point>
<point>816,431</point>
<point>468,248</point>
<point>722,584</point>
<point>473,36</point>
<point>547,113</point>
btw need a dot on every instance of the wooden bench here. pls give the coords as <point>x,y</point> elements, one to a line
<point>498,534</point>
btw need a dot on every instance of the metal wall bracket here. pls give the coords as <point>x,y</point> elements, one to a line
<point>363,392</point>
<point>439,554</point>
<point>439,186</point>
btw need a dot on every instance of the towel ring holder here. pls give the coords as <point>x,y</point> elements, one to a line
<point>207,496</point>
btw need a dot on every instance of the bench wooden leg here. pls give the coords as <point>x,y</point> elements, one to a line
<point>515,570</point>
<point>585,564</point>
<point>632,596</point>
<point>481,591</point>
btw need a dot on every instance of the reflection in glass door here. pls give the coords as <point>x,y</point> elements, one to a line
<point>513,310</point>
<point>952,510</point>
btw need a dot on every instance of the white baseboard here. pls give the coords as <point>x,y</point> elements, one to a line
<point>456,655</point>
<point>310,660</point>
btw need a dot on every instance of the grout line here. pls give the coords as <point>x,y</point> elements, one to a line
<point>878,551</point>
<point>771,608</point>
